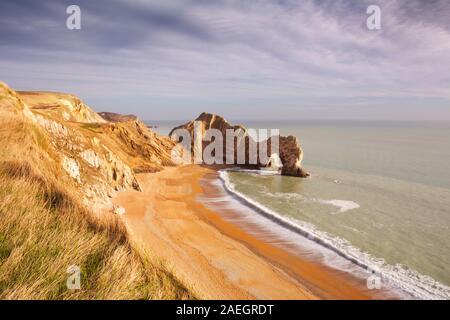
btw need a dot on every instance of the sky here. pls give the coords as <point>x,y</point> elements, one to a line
<point>244,59</point>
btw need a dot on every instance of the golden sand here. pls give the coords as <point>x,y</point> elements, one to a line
<point>215,257</point>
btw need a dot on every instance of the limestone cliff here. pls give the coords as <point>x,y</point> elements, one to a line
<point>290,151</point>
<point>100,157</point>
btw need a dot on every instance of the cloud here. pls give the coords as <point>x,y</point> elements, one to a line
<point>228,55</point>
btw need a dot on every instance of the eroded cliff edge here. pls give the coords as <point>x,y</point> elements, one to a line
<point>99,157</point>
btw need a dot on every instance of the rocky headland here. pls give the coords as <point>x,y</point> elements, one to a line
<point>102,152</point>
<point>290,151</point>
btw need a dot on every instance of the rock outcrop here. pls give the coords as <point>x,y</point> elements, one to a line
<point>71,167</point>
<point>116,117</point>
<point>291,155</point>
<point>65,106</point>
<point>98,157</point>
<point>290,151</point>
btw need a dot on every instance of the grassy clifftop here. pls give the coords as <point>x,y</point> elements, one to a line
<point>46,223</point>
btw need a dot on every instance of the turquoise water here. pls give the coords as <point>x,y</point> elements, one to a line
<point>381,188</point>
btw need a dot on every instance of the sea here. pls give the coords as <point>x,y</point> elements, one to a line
<point>378,195</point>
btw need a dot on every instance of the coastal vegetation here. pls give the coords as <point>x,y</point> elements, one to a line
<point>45,226</point>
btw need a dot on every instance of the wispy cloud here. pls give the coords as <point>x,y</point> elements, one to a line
<point>288,58</point>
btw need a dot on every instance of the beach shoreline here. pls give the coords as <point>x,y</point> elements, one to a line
<point>215,257</point>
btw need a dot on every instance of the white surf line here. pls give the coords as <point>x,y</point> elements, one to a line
<point>408,280</point>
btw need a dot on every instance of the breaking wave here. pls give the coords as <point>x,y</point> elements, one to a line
<point>409,281</point>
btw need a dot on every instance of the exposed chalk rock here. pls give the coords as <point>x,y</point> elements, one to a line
<point>53,127</point>
<point>71,167</point>
<point>102,156</point>
<point>91,158</point>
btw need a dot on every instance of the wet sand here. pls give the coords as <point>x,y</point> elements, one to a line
<point>215,257</point>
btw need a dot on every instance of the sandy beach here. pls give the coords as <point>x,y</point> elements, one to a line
<point>215,257</point>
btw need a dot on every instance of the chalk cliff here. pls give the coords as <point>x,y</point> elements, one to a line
<point>60,163</point>
<point>99,157</point>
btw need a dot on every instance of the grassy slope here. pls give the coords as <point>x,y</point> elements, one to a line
<point>44,230</point>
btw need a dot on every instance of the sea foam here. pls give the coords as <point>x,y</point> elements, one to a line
<point>343,205</point>
<point>397,277</point>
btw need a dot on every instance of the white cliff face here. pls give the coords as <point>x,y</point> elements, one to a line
<point>53,127</point>
<point>91,158</point>
<point>71,167</point>
<point>79,151</point>
<point>100,156</point>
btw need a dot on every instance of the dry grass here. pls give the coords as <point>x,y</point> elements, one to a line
<point>44,230</point>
